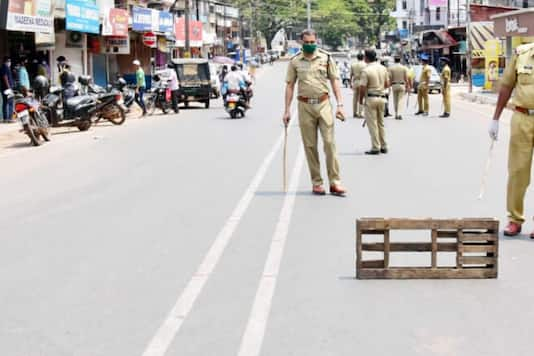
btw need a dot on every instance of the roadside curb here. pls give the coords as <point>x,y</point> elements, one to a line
<point>479,98</point>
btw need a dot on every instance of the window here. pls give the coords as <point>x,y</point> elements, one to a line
<point>404,4</point>
<point>525,3</point>
<point>404,25</point>
<point>421,6</point>
<point>438,13</point>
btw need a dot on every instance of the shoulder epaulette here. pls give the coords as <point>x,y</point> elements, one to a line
<point>524,48</point>
<point>295,55</point>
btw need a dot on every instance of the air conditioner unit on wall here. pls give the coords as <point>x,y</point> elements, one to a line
<point>73,39</point>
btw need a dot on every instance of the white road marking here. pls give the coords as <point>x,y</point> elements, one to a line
<point>254,333</point>
<point>161,341</point>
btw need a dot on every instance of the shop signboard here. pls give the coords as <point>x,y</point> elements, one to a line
<point>492,50</point>
<point>30,16</point>
<point>195,33</point>
<point>165,22</point>
<point>115,23</point>
<point>151,20</point>
<point>82,16</point>
<point>142,19</point>
<point>116,45</point>
<point>437,3</point>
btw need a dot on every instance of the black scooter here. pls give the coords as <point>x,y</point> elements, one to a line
<point>73,112</point>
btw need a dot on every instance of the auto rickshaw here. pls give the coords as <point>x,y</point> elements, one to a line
<point>194,77</point>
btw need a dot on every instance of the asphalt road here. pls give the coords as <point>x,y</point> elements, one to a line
<point>171,235</point>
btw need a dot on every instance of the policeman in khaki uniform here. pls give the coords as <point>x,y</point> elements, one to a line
<point>355,75</point>
<point>519,75</point>
<point>400,84</point>
<point>313,68</point>
<point>373,86</point>
<point>424,86</point>
<point>446,87</point>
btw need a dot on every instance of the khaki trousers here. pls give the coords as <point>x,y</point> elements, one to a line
<point>422,98</point>
<point>519,164</point>
<point>356,107</point>
<point>313,117</point>
<point>446,92</point>
<point>398,94</point>
<point>374,116</point>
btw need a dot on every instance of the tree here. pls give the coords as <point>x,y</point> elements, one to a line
<point>334,21</point>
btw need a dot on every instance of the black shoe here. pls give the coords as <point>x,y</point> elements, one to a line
<point>372,152</point>
<point>384,150</point>
<point>445,114</point>
<point>387,115</point>
<point>399,117</point>
<point>419,112</point>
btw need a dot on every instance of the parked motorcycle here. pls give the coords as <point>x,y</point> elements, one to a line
<point>109,105</point>
<point>128,92</point>
<point>235,104</point>
<point>28,111</point>
<point>159,96</point>
<point>345,78</point>
<point>73,112</point>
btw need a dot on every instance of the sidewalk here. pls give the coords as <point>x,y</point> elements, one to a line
<point>482,97</point>
<point>9,128</point>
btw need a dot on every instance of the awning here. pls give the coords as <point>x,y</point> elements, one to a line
<point>480,32</point>
<point>437,39</point>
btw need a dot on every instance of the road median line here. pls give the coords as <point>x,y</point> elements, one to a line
<point>166,333</point>
<point>253,336</point>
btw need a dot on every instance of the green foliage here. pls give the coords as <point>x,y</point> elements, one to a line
<point>335,20</point>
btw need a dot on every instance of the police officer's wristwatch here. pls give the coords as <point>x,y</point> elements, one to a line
<point>339,105</point>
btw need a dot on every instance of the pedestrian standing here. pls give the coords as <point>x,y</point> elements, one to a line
<point>313,68</point>
<point>446,87</point>
<point>355,74</point>
<point>373,87</point>
<point>140,85</point>
<point>518,76</point>
<point>68,82</point>
<point>386,105</point>
<point>423,88</point>
<point>174,86</point>
<point>24,77</point>
<point>6,82</point>
<point>400,84</point>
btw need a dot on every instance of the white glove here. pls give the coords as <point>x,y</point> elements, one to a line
<point>494,129</point>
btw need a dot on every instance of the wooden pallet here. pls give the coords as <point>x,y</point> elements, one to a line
<point>475,242</point>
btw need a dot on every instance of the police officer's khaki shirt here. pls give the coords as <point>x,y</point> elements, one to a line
<point>398,74</point>
<point>519,73</point>
<point>356,70</point>
<point>426,73</point>
<point>312,74</point>
<point>446,75</point>
<point>374,77</point>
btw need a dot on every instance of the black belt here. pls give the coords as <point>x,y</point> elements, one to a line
<point>376,96</point>
<point>398,83</point>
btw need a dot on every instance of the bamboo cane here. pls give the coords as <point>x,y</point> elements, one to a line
<point>486,171</point>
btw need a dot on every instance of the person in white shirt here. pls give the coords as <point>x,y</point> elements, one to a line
<point>174,85</point>
<point>234,80</point>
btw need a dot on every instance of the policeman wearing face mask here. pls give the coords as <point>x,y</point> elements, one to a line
<point>6,82</point>
<point>313,68</point>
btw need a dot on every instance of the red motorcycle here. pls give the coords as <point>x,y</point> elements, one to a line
<point>33,120</point>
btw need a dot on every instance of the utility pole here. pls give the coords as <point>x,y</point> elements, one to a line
<point>469,46</point>
<point>309,13</point>
<point>448,12</point>
<point>187,53</point>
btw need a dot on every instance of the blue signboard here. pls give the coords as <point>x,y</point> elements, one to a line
<point>166,22</point>
<point>82,16</point>
<point>403,33</point>
<point>142,19</point>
